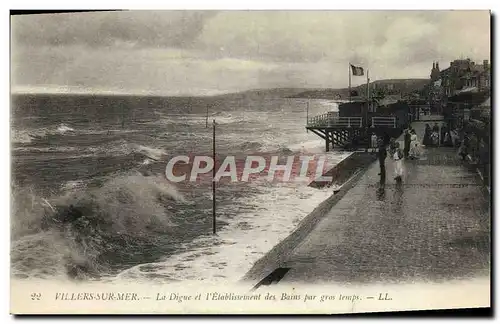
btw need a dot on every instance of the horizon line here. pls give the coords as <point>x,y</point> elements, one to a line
<point>76,90</point>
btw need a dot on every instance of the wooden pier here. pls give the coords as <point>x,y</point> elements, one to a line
<point>354,131</point>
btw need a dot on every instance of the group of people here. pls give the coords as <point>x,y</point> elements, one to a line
<point>412,150</point>
<point>439,136</point>
<point>396,153</point>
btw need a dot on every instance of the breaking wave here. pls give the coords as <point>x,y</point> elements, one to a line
<point>122,148</point>
<point>63,128</point>
<point>77,234</point>
<point>190,120</point>
<point>30,135</point>
<point>249,146</point>
<point>20,137</point>
<point>27,136</point>
<point>115,148</point>
<point>307,146</point>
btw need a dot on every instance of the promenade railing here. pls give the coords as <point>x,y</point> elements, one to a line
<point>385,122</point>
<point>331,119</point>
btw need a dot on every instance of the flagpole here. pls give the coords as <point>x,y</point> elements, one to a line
<point>368,87</point>
<point>367,94</point>
<point>349,69</point>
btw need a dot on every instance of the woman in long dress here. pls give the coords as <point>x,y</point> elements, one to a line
<point>414,146</point>
<point>398,162</point>
<point>435,135</point>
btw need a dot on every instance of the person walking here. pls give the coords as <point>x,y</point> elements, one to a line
<point>442,137</point>
<point>392,146</point>
<point>374,141</point>
<point>462,151</point>
<point>414,146</point>
<point>382,154</point>
<point>407,139</point>
<point>398,163</point>
<point>427,135</point>
<point>435,135</point>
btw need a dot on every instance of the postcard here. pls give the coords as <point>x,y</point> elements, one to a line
<point>250,162</point>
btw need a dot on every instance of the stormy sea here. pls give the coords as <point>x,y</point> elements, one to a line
<point>90,200</point>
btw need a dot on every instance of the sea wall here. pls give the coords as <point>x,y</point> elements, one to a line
<point>343,170</point>
<point>347,172</point>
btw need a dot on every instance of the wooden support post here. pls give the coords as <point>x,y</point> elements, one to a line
<point>206,120</point>
<point>327,140</point>
<point>307,115</point>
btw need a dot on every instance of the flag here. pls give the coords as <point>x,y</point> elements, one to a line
<point>357,70</point>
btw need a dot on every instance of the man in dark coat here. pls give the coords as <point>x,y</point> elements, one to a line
<point>427,135</point>
<point>407,138</point>
<point>382,154</point>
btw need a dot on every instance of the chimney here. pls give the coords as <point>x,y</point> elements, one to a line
<point>433,65</point>
<point>437,66</point>
<point>485,64</point>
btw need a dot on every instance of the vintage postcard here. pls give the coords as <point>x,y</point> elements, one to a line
<point>250,162</point>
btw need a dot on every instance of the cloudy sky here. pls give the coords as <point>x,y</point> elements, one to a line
<point>205,52</point>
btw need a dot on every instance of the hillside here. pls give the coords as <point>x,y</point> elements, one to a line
<point>388,87</point>
<point>263,93</point>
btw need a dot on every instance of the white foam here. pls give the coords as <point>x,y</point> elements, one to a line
<point>146,162</point>
<point>73,185</point>
<point>248,236</point>
<point>151,152</point>
<point>20,137</point>
<point>63,128</point>
<point>308,146</point>
<point>27,135</point>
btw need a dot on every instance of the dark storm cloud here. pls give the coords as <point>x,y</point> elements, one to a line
<point>231,50</point>
<point>363,36</point>
<point>142,28</point>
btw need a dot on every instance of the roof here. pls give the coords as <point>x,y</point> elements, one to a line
<point>486,103</point>
<point>387,101</point>
<point>474,69</point>
<point>477,68</point>
<point>475,97</point>
<point>446,71</point>
<point>469,89</point>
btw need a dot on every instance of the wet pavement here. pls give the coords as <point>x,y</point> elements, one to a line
<point>433,226</point>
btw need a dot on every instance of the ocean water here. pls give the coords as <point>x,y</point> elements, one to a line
<point>104,158</point>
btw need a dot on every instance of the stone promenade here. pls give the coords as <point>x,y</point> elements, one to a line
<point>434,226</point>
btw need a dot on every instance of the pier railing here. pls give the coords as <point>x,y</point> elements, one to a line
<point>387,122</point>
<point>331,119</point>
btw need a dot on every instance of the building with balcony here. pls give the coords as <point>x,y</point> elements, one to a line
<point>464,74</point>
